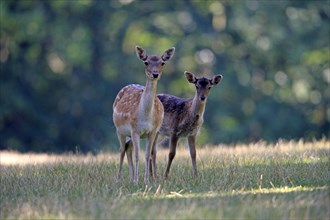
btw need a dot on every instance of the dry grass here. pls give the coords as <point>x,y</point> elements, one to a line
<point>282,180</point>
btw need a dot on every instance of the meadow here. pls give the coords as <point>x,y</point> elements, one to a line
<point>287,179</point>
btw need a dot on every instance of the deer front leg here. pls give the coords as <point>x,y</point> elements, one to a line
<point>153,168</point>
<point>171,155</point>
<point>136,145</point>
<point>192,150</point>
<point>150,143</point>
<point>121,139</point>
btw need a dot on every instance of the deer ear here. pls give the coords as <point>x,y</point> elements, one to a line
<point>190,77</point>
<point>167,55</point>
<point>141,53</point>
<point>216,79</point>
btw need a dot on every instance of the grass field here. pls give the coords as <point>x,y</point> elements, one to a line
<point>256,181</point>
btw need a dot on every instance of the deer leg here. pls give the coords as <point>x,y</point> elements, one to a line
<point>150,142</point>
<point>154,156</point>
<point>158,140</point>
<point>171,155</point>
<point>121,139</point>
<point>136,145</point>
<point>129,154</point>
<point>150,167</point>
<point>192,150</point>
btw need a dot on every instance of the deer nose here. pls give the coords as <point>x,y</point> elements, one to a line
<point>202,98</point>
<point>155,75</point>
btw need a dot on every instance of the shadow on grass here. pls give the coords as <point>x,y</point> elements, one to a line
<point>233,176</point>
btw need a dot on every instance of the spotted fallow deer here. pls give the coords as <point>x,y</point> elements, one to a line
<point>138,113</point>
<point>183,117</point>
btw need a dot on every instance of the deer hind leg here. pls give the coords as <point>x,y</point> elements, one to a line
<point>171,155</point>
<point>129,154</point>
<point>121,139</point>
<point>136,145</point>
<point>192,150</point>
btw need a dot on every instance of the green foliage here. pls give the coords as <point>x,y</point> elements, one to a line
<point>63,62</point>
<point>285,180</point>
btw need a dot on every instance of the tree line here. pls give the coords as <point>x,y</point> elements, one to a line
<point>63,62</point>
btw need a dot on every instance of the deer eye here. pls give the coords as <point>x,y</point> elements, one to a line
<point>146,63</point>
<point>163,63</point>
<point>209,88</point>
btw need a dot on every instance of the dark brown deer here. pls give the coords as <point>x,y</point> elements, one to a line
<point>183,117</point>
<point>138,113</point>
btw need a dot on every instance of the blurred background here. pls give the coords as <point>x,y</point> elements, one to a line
<point>63,62</point>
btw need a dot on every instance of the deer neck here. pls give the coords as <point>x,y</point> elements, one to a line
<point>147,99</point>
<point>198,107</point>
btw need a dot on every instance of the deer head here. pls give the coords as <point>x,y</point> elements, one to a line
<point>203,84</point>
<point>154,63</point>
